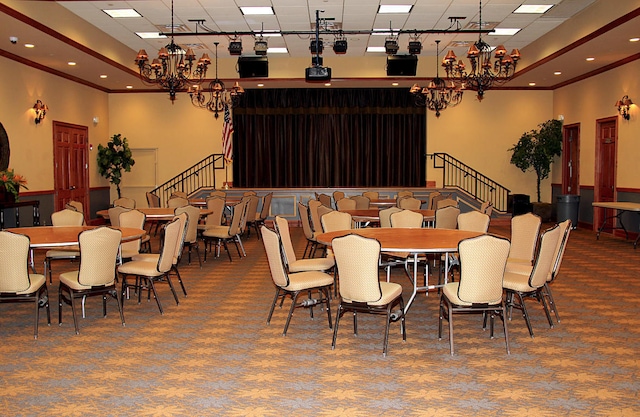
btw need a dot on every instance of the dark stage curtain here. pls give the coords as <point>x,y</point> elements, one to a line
<point>328,138</point>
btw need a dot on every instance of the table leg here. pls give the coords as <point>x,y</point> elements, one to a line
<point>618,216</point>
<point>414,282</point>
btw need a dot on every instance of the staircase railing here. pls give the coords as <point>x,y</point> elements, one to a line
<point>201,174</point>
<point>457,174</point>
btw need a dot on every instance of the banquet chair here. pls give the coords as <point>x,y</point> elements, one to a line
<point>385,216</point>
<point>473,221</point>
<point>17,285</point>
<point>409,203</point>
<point>249,193</point>
<point>336,220</point>
<point>183,219</point>
<point>76,206</point>
<point>482,263</point>
<point>446,202</point>
<point>251,214</point>
<point>362,202</point>
<point>134,219</point>
<point>371,195</point>
<point>322,210</point>
<point>66,217</point>
<point>264,212</point>
<point>325,199</point>
<point>524,237</point>
<point>405,193</point>
<point>291,284</point>
<point>434,197</point>
<point>447,218</point>
<point>531,285</point>
<point>148,273</point>
<point>114,214</point>
<point>97,272</point>
<point>337,196</point>
<point>124,202</point>
<point>361,291</point>
<point>217,206</point>
<point>313,206</point>
<point>178,194</point>
<point>292,263</point>
<point>403,218</point>
<point>406,218</point>
<point>345,204</point>
<point>486,208</point>
<point>224,234</point>
<point>152,200</point>
<point>175,202</point>
<point>312,242</point>
<point>191,233</point>
<point>218,193</point>
<point>565,230</point>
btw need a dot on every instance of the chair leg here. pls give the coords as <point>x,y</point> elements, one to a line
<point>175,269</point>
<point>273,306</point>
<point>386,331</point>
<point>73,312</point>
<point>339,313</point>
<point>552,303</point>
<point>450,317</point>
<point>525,314</point>
<point>504,326</point>
<point>327,294</point>
<point>294,299</point>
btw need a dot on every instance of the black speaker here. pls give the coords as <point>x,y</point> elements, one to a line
<point>253,66</point>
<point>402,65</point>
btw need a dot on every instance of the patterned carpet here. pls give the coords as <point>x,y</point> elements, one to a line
<point>213,355</point>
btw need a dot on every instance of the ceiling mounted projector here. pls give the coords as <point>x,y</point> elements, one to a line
<point>317,74</point>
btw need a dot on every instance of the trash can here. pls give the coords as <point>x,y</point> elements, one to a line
<point>569,208</point>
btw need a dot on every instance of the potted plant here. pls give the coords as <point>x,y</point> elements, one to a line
<point>10,184</point>
<point>113,158</point>
<point>536,150</point>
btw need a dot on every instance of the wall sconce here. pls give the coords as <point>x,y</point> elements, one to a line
<point>623,106</point>
<point>41,110</point>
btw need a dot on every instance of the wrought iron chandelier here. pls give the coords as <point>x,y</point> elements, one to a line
<point>219,96</point>
<point>174,68</point>
<point>437,96</point>
<point>483,74</point>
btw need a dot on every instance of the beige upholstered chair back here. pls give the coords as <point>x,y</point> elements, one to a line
<point>371,195</point>
<point>446,202</point>
<point>447,218</point>
<point>473,221</point>
<point>98,255</point>
<point>324,199</point>
<point>433,199</point>
<point>362,202</point>
<point>303,211</point>
<point>114,215</point>
<point>218,193</point>
<point>402,194</point>
<point>337,196</point>
<point>482,264</point>
<point>545,259</point>
<point>239,211</point>
<point>252,209</point>
<point>315,216</point>
<point>565,230</point>
<point>486,208</point>
<point>67,217</point>
<point>248,193</point>
<point>524,236</point>
<point>193,216</point>
<point>183,220</point>
<point>336,220</point>
<point>357,261</point>
<point>75,205</point>
<point>135,219</point>
<point>266,206</point>
<point>216,205</point>
<point>406,218</point>
<point>14,255</point>
<point>125,202</point>
<point>153,200</point>
<point>346,204</point>
<point>271,244</point>
<point>385,215</point>
<point>322,210</point>
<point>180,194</point>
<point>170,240</point>
<point>409,203</point>
<point>175,202</point>
<point>282,227</point>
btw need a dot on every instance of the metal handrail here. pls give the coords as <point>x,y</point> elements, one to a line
<point>458,174</point>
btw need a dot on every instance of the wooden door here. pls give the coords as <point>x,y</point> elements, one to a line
<point>571,160</point>
<point>606,162</point>
<point>71,167</point>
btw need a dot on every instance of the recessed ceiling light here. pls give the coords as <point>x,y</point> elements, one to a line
<point>103,75</point>
<point>150,35</point>
<point>590,58</point>
<point>71,63</point>
<point>532,84</point>
<point>327,84</point>
<point>260,85</point>
<point>122,13</point>
<point>394,84</point>
<point>394,8</point>
<point>246,10</point>
<point>505,31</point>
<point>129,87</point>
<point>533,8</point>
<point>634,39</point>
<point>376,49</point>
<point>29,45</point>
<point>277,51</point>
<point>557,73</point>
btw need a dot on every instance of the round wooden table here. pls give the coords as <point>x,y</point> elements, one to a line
<point>156,213</point>
<point>415,241</point>
<point>373,215</point>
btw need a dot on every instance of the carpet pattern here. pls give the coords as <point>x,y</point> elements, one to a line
<point>214,355</point>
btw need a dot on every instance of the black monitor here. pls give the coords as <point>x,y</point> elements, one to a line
<point>253,66</point>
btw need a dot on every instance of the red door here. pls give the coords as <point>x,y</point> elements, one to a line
<point>571,160</point>
<point>606,161</point>
<point>71,178</point>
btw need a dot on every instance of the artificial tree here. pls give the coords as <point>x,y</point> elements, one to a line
<point>537,148</point>
<point>113,158</point>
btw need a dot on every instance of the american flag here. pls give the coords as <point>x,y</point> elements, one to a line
<point>227,134</point>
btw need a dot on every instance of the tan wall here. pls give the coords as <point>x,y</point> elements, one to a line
<point>31,144</point>
<point>480,133</point>
<point>593,99</point>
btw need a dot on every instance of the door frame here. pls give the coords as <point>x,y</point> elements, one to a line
<point>598,215</point>
<point>565,160</point>
<point>85,171</point>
